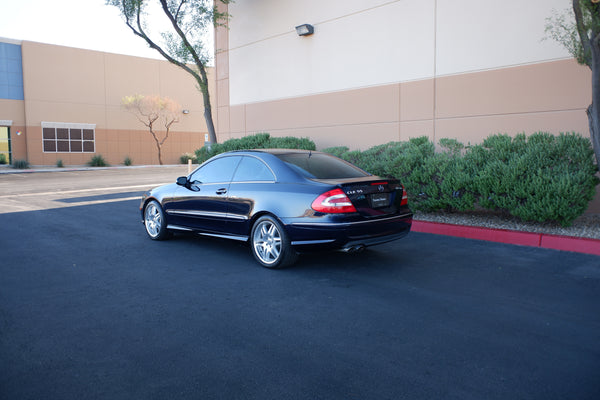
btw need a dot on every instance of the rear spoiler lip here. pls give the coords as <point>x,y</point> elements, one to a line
<point>372,179</point>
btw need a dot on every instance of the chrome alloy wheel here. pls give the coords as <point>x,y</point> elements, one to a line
<point>153,219</point>
<point>267,242</point>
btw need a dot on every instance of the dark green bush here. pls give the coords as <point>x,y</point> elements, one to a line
<point>20,164</point>
<point>97,161</point>
<point>289,142</point>
<point>2,159</point>
<point>258,141</point>
<point>337,151</point>
<point>442,182</point>
<point>184,158</point>
<point>541,178</point>
<point>128,162</point>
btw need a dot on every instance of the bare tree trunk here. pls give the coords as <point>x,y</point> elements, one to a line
<point>594,122</point>
<point>203,83</point>
<point>158,145</point>
<point>593,110</point>
<point>590,42</point>
<point>159,155</point>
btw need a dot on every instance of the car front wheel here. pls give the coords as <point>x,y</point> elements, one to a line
<point>270,244</point>
<point>155,222</point>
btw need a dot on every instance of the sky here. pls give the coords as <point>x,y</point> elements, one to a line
<point>85,24</point>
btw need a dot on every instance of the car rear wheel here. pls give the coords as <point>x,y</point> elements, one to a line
<point>270,244</point>
<point>155,222</point>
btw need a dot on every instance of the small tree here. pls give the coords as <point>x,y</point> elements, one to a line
<point>184,45</point>
<point>582,39</point>
<point>155,113</point>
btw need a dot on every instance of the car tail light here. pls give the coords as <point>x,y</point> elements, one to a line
<point>404,197</point>
<point>333,201</point>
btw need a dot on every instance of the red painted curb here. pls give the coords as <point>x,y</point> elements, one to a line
<point>565,243</point>
<point>569,243</point>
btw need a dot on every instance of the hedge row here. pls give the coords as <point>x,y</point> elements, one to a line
<point>258,141</point>
<point>543,177</point>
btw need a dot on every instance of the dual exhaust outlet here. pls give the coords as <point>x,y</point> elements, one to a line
<point>354,249</point>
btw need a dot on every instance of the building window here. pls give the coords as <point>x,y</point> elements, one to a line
<point>60,137</point>
<point>11,71</point>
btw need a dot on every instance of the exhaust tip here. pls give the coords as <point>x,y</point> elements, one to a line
<point>354,249</point>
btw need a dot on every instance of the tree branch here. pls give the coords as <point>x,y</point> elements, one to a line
<point>582,31</point>
<point>185,40</point>
<point>140,33</point>
<point>187,18</point>
<point>179,9</point>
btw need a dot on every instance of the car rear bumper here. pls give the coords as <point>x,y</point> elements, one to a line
<point>312,235</point>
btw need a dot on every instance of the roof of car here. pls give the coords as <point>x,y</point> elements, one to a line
<point>276,151</point>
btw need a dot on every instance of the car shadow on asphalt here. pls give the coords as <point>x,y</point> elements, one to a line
<point>377,258</point>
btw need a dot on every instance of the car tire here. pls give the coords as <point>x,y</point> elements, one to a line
<point>155,221</point>
<point>270,244</point>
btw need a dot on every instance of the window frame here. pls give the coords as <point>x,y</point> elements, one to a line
<point>57,137</point>
<point>273,178</point>
<point>196,174</point>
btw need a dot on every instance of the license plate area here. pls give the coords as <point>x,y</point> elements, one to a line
<point>379,200</point>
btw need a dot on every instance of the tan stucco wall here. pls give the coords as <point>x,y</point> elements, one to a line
<point>115,145</point>
<point>463,88</point>
<point>13,110</point>
<point>377,71</point>
<point>468,107</point>
<point>69,85</point>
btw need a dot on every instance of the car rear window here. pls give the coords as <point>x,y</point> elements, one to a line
<point>321,166</point>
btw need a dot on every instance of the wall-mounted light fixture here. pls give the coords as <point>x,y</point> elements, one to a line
<point>186,111</point>
<point>305,30</point>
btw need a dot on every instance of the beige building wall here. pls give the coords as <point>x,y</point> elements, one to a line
<point>376,71</point>
<point>75,86</point>
<point>12,113</point>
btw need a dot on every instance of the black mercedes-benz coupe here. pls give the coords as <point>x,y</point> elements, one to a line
<point>283,202</point>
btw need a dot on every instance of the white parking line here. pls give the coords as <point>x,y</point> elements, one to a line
<point>91,202</point>
<point>60,192</point>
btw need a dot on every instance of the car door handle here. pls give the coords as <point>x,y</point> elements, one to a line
<point>222,191</point>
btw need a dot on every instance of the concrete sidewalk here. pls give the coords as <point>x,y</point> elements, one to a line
<point>7,169</point>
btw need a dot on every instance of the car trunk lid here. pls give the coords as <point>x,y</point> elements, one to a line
<point>373,196</point>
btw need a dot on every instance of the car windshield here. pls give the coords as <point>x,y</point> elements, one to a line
<point>321,166</point>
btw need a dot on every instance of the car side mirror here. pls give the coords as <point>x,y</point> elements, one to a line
<point>182,181</point>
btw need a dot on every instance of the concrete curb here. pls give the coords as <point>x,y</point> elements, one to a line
<point>546,241</point>
<point>9,170</point>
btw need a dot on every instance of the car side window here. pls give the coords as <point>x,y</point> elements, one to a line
<point>253,169</point>
<point>217,171</point>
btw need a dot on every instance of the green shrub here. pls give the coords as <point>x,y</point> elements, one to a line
<point>441,182</point>
<point>20,164</point>
<point>451,146</point>
<point>97,161</point>
<point>128,161</point>
<point>337,151</point>
<point>59,163</point>
<point>184,158</point>
<point>258,141</point>
<point>543,177</point>
<point>289,142</point>
<point>2,159</point>
<point>540,178</point>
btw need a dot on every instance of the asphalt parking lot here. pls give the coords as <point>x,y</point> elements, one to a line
<point>91,308</point>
